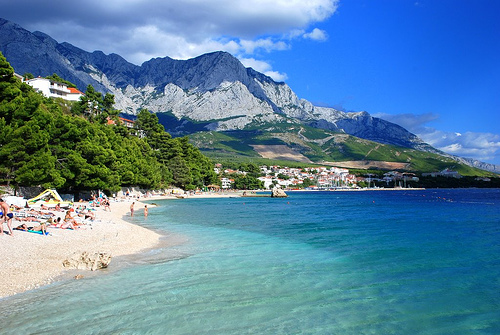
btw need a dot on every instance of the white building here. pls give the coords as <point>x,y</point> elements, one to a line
<point>268,181</point>
<point>226,182</point>
<point>52,89</point>
<point>284,183</point>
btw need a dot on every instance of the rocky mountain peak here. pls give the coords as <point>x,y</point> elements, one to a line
<point>203,73</point>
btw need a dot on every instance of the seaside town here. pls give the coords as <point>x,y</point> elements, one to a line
<point>328,178</point>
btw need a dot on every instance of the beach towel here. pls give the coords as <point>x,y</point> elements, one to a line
<point>39,232</point>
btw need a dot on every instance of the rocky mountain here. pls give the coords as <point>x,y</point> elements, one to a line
<point>213,87</point>
<point>213,91</point>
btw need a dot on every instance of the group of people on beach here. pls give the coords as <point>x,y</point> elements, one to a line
<point>33,220</point>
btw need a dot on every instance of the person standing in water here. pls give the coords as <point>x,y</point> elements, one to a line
<point>132,209</point>
<point>145,210</point>
<point>5,215</point>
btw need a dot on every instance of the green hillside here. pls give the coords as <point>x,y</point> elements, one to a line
<point>320,147</point>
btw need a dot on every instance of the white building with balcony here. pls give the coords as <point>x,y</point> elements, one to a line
<point>52,89</point>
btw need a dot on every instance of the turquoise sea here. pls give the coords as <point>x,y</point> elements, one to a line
<point>373,262</point>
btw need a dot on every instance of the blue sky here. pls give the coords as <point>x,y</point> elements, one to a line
<point>432,66</point>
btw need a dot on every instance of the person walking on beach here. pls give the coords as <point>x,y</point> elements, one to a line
<point>5,215</point>
<point>145,210</point>
<point>132,209</point>
<point>106,205</point>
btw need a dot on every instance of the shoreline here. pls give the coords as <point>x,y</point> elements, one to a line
<point>30,261</point>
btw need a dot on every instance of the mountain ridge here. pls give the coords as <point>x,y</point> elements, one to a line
<point>249,95</point>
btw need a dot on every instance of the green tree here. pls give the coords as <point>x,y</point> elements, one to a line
<point>27,153</point>
<point>194,170</point>
<point>149,124</point>
<point>11,95</point>
<point>54,77</point>
<point>108,111</point>
<point>254,170</point>
<point>89,104</point>
<point>42,145</point>
<point>246,182</point>
<point>283,176</point>
<point>181,174</point>
<point>308,182</point>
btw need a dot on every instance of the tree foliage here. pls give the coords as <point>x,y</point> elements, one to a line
<point>187,167</point>
<point>41,145</point>
<point>56,78</point>
<point>246,182</point>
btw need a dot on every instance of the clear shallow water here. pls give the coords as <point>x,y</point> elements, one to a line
<point>405,262</point>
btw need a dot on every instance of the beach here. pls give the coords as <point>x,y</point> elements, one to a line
<point>32,260</point>
<point>29,260</point>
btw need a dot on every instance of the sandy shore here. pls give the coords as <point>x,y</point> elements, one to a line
<point>31,260</point>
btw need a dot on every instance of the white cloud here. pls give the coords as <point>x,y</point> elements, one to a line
<point>263,67</point>
<point>295,33</point>
<point>171,28</point>
<point>317,35</point>
<point>484,147</point>
<point>255,64</point>
<point>267,44</point>
<point>140,30</point>
<point>277,76</point>
<point>481,146</point>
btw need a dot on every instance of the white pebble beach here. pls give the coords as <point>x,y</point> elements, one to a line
<point>31,260</point>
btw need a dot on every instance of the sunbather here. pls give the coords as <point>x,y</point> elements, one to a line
<point>87,214</point>
<point>63,224</point>
<point>69,221</point>
<point>106,205</point>
<point>42,227</point>
<point>29,218</point>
